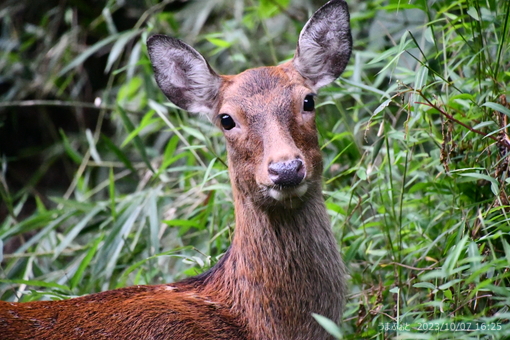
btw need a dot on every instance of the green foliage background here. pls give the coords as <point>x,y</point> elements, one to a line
<point>105,184</point>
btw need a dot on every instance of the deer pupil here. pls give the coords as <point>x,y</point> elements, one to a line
<point>308,103</point>
<point>227,122</point>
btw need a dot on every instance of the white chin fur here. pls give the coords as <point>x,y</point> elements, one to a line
<point>282,194</point>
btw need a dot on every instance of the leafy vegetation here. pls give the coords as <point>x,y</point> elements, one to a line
<point>104,184</point>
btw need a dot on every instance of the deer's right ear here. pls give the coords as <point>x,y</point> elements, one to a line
<point>184,75</point>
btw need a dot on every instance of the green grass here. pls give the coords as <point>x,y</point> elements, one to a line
<point>414,139</point>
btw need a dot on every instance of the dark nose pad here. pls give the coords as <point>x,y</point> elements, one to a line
<point>287,174</point>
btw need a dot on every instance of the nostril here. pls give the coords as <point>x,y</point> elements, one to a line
<point>287,174</point>
<point>299,165</point>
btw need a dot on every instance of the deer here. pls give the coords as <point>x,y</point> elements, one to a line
<point>283,263</point>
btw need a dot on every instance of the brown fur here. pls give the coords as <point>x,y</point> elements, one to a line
<point>283,264</point>
<point>144,312</point>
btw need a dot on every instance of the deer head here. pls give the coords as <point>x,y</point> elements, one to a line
<point>267,114</point>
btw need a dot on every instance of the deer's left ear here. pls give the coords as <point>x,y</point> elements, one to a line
<point>324,45</point>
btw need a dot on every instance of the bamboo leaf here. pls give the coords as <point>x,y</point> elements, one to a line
<point>89,52</point>
<point>119,46</point>
<point>78,275</point>
<point>497,107</point>
<point>137,141</point>
<point>328,325</point>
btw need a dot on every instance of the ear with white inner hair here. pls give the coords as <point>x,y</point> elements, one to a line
<point>184,75</point>
<point>324,45</point>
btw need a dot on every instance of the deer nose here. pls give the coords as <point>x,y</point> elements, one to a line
<point>287,174</point>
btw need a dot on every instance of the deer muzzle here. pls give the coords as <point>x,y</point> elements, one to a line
<point>287,179</point>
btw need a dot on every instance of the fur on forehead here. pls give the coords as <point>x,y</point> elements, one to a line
<point>262,91</point>
<point>260,80</point>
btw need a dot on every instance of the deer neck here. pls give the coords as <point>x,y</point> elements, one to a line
<point>282,267</point>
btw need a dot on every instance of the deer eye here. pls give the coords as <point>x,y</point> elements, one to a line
<point>308,103</point>
<point>227,122</point>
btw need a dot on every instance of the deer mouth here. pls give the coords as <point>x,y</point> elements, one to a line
<point>283,193</point>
